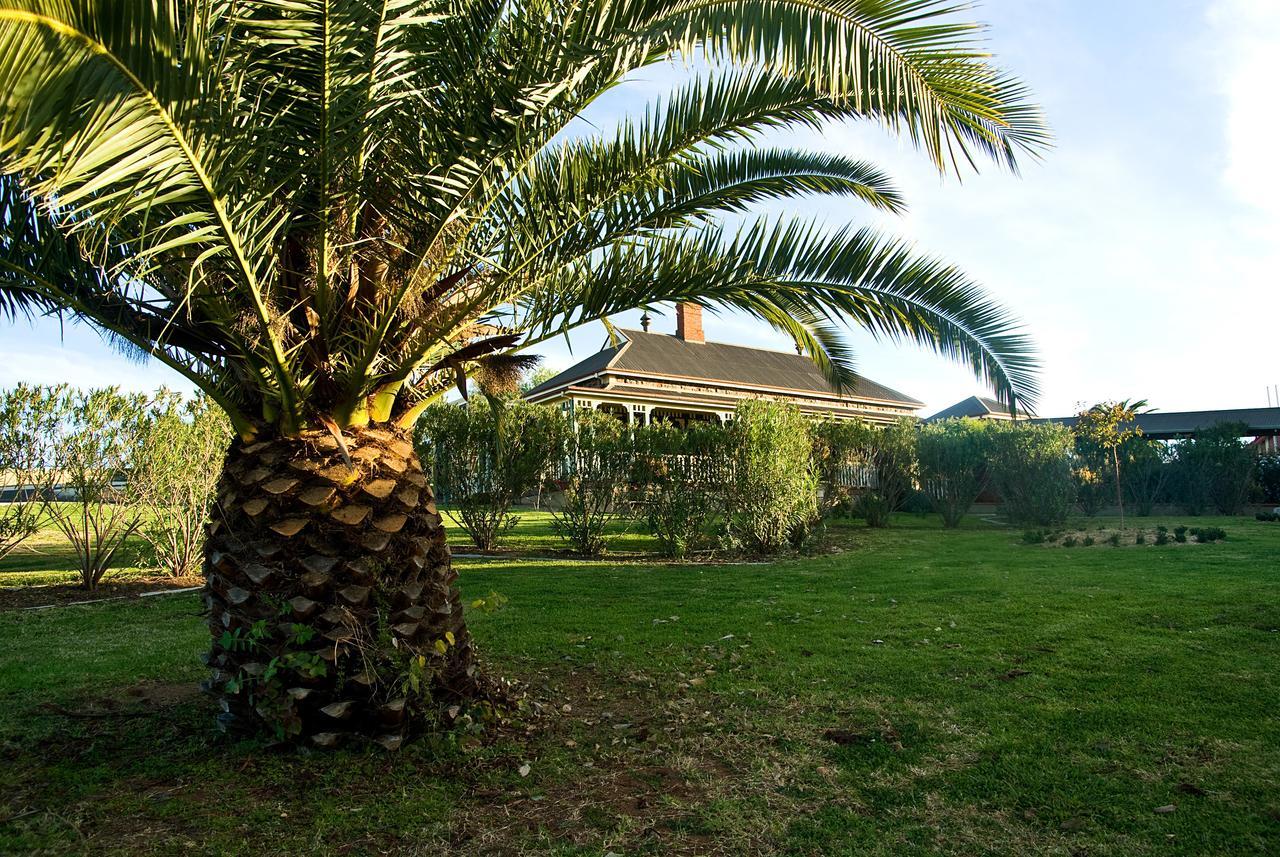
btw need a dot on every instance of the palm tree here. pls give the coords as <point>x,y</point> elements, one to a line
<point>324,213</point>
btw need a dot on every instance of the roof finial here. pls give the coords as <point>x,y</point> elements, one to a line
<point>644,321</point>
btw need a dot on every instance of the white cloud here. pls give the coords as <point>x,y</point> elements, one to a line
<point>1248,33</point>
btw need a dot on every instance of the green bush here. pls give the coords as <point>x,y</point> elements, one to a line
<point>1088,541</point>
<point>484,456</point>
<point>1031,471</point>
<point>94,447</point>
<point>842,457</point>
<point>773,498</point>
<point>1179,534</point>
<point>175,470</point>
<point>1205,535</point>
<point>1147,468</point>
<point>1268,474</point>
<point>893,460</point>
<point>597,456</point>
<point>1214,470</point>
<point>1069,542</point>
<point>29,418</point>
<point>953,456</point>
<point>677,482</point>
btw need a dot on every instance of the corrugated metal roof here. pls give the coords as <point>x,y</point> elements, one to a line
<point>1161,425</point>
<point>717,362</point>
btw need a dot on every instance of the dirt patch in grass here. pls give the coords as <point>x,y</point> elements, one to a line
<point>141,699</point>
<point>66,594</point>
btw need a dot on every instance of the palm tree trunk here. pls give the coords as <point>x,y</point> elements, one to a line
<point>330,593</point>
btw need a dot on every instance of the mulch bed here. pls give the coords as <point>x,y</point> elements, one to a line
<point>65,594</point>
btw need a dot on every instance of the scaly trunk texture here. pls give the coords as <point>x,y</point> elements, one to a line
<point>330,592</point>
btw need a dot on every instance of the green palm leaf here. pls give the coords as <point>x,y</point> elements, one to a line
<point>305,206</point>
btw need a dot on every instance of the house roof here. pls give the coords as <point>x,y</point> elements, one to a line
<point>974,406</point>
<point>1166,425</point>
<point>659,354</point>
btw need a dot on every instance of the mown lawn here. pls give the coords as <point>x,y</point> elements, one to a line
<point>918,692</point>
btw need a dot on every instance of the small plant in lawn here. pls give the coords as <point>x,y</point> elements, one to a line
<point>597,455</point>
<point>1070,542</point>
<point>1140,538</point>
<point>95,445</point>
<point>677,482</point>
<point>29,418</point>
<point>174,472</point>
<point>1100,431</point>
<point>1114,540</point>
<point>773,498</point>
<point>485,455</point>
<point>1031,470</point>
<point>1088,541</point>
<point>954,468</point>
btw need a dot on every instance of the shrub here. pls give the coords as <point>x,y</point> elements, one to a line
<point>1088,541</point>
<point>1033,537</point>
<point>175,471</point>
<point>29,419</point>
<point>598,463</point>
<point>1099,432</point>
<point>1162,536</point>
<point>1205,535</point>
<point>874,508</point>
<point>1147,470</point>
<point>1214,469</point>
<point>953,457</point>
<point>1031,471</point>
<point>773,501</point>
<point>1092,488</point>
<point>486,455</point>
<point>842,458</point>
<point>893,458</point>
<point>1179,534</point>
<point>1268,474</point>
<point>95,443</point>
<point>1069,542</point>
<point>678,478</point>
<point>1114,540</point>
<point>1140,538</point>
<point>1267,516</point>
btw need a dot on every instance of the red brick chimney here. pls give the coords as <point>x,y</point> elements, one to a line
<point>689,322</point>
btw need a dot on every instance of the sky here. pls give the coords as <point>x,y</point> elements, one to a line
<point>1142,253</point>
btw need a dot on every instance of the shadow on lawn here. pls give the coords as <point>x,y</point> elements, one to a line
<point>142,772</point>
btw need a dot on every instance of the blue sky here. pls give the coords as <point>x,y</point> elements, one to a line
<point>1143,253</point>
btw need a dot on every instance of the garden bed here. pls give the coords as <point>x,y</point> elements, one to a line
<point>1130,536</point>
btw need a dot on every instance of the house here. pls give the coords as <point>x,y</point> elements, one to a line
<point>682,377</point>
<point>976,407</point>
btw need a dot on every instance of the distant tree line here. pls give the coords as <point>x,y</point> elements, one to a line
<point>102,467</point>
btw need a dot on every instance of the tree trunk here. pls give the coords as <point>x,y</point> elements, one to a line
<point>330,593</point>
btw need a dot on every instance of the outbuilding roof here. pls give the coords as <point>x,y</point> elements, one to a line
<point>1168,425</point>
<point>974,406</point>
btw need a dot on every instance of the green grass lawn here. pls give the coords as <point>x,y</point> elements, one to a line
<point>984,697</point>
